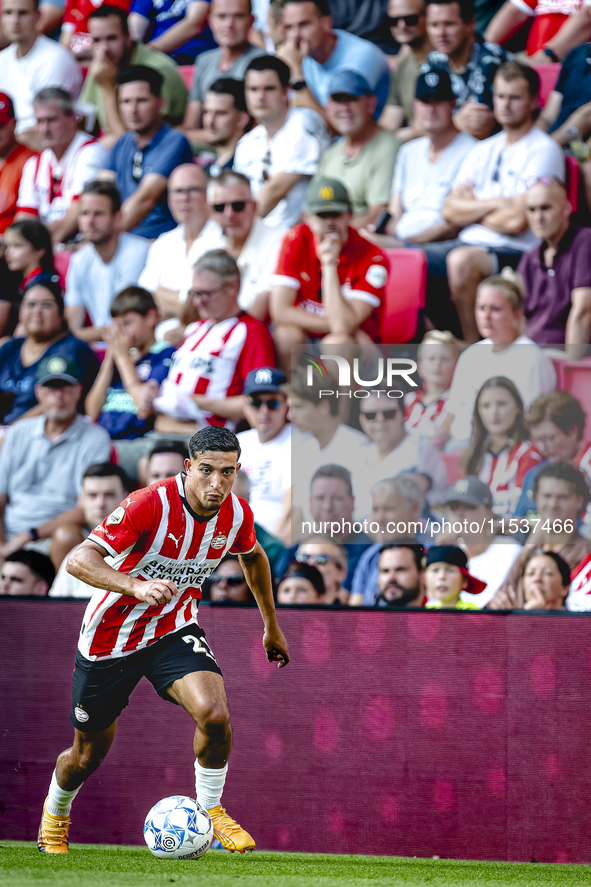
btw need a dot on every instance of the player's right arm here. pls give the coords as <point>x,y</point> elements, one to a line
<point>87,563</point>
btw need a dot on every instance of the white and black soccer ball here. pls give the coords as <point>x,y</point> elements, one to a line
<point>178,828</point>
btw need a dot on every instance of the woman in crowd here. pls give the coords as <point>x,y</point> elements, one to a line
<point>546,580</point>
<point>301,584</point>
<point>27,255</point>
<point>44,333</point>
<point>503,351</point>
<point>426,410</point>
<point>228,583</point>
<point>500,452</point>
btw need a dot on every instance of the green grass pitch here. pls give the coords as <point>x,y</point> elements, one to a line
<point>93,865</point>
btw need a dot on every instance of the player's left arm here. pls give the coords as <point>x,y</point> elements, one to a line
<point>258,577</point>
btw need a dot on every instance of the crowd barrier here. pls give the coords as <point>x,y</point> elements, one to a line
<point>457,735</point>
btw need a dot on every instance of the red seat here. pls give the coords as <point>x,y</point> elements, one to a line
<point>548,75</point>
<point>61,260</point>
<point>406,289</point>
<point>575,376</point>
<point>573,172</point>
<point>186,72</point>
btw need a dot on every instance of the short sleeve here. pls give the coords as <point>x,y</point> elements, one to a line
<point>526,6</point>
<point>27,200</point>
<point>582,265</point>
<point>150,276</point>
<point>138,516</point>
<point>92,159</point>
<point>7,454</point>
<point>309,140</point>
<point>246,538</point>
<point>369,280</point>
<point>74,294</point>
<point>174,151</point>
<point>196,93</point>
<point>380,179</point>
<point>398,181</point>
<point>468,171</point>
<point>287,273</point>
<point>258,350</point>
<point>144,8</point>
<point>544,159</point>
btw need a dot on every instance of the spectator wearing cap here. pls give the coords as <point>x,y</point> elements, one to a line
<point>301,584</point>
<point>26,573</point>
<point>363,159</point>
<point>446,577</point>
<point>557,273</point>
<point>207,375</point>
<point>424,172</point>
<point>144,157</point>
<point>13,157</point>
<point>330,280</point>
<point>471,63</point>
<point>408,26</point>
<point>113,50</point>
<point>225,120</point>
<point>315,51</point>
<point>488,197</point>
<point>281,154</point>
<point>43,459</point>
<point>30,63</point>
<point>110,261</point>
<point>51,184</point>
<point>266,449</point>
<point>45,335</point>
<point>400,576</point>
<point>468,509</point>
<point>231,22</point>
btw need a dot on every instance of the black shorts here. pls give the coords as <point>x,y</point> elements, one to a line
<point>101,690</point>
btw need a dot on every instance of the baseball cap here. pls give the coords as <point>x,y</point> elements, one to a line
<point>451,554</point>
<point>264,379</point>
<point>348,83</point>
<point>469,490</point>
<point>6,109</point>
<point>436,83</point>
<point>327,195</point>
<point>59,368</point>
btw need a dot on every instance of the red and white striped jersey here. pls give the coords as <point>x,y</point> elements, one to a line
<point>154,534</point>
<point>214,359</point>
<point>428,419</point>
<point>48,187</point>
<point>579,597</point>
<point>504,474</point>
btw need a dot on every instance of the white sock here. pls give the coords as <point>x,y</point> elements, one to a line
<point>59,801</point>
<point>209,785</point>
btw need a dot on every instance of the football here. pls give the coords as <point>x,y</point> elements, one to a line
<point>178,828</point>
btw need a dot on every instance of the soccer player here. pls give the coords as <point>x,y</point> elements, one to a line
<point>164,540</point>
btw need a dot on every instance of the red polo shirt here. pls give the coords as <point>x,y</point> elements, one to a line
<point>362,271</point>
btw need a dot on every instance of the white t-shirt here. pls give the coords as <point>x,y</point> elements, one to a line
<point>492,567</point>
<point>423,185</point>
<point>415,453</point>
<point>94,284</point>
<point>48,187</point>
<point>296,148</point>
<point>268,466</point>
<point>523,362</point>
<point>47,63</point>
<point>169,264</point>
<point>66,585</point>
<point>497,171</point>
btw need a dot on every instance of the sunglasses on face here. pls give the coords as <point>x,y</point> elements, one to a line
<point>320,559</point>
<point>409,20</point>
<point>237,206</point>
<point>272,404</point>
<point>233,579</point>
<point>387,414</point>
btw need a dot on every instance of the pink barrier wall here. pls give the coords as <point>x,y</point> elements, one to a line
<point>462,735</point>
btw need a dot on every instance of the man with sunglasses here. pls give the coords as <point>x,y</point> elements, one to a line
<point>143,158</point>
<point>228,584</point>
<point>557,273</point>
<point>331,560</point>
<point>266,448</point>
<point>408,26</point>
<point>330,280</point>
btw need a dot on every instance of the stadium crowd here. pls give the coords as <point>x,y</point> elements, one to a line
<point>188,190</point>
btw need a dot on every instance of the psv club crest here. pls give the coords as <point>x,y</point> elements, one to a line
<point>219,542</point>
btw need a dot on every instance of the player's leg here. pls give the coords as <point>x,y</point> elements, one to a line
<point>72,769</point>
<point>185,671</point>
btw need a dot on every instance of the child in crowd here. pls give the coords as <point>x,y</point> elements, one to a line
<point>426,410</point>
<point>301,584</point>
<point>446,577</point>
<point>500,453</point>
<point>134,366</point>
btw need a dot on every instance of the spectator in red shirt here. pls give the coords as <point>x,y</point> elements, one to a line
<point>500,452</point>
<point>75,34</point>
<point>426,409</point>
<point>548,18</point>
<point>330,280</point>
<point>206,377</point>
<point>12,159</point>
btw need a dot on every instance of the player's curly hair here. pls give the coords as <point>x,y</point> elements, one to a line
<point>213,440</point>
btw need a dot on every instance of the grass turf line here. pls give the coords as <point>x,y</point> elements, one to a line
<point>94,865</point>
